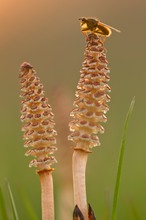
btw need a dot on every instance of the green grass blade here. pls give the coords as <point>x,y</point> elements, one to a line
<point>3,210</point>
<point>31,213</point>
<point>134,210</point>
<point>120,162</point>
<point>30,210</point>
<point>14,210</point>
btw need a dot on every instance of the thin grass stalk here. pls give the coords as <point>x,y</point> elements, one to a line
<point>120,161</point>
<point>12,202</point>
<point>28,206</point>
<point>3,208</point>
<point>134,209</point>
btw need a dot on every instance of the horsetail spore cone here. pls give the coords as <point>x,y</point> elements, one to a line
<point>90,107</point>
<point>39,134</point>
<point>37,118</point>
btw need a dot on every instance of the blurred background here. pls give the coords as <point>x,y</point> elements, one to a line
<point>47,34</point>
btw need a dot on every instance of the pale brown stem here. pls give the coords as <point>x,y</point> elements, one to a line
<point>47,198</point>
<point>65,202</point>
<point>79,180</point>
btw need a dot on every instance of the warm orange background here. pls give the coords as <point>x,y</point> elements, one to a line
<point>46,33</point>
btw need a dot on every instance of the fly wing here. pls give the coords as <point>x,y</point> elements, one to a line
<point>109,27</point>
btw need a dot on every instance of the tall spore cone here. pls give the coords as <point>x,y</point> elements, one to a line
<point>37,116</point>
<point>39,133</point>
<point>90,107</point>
